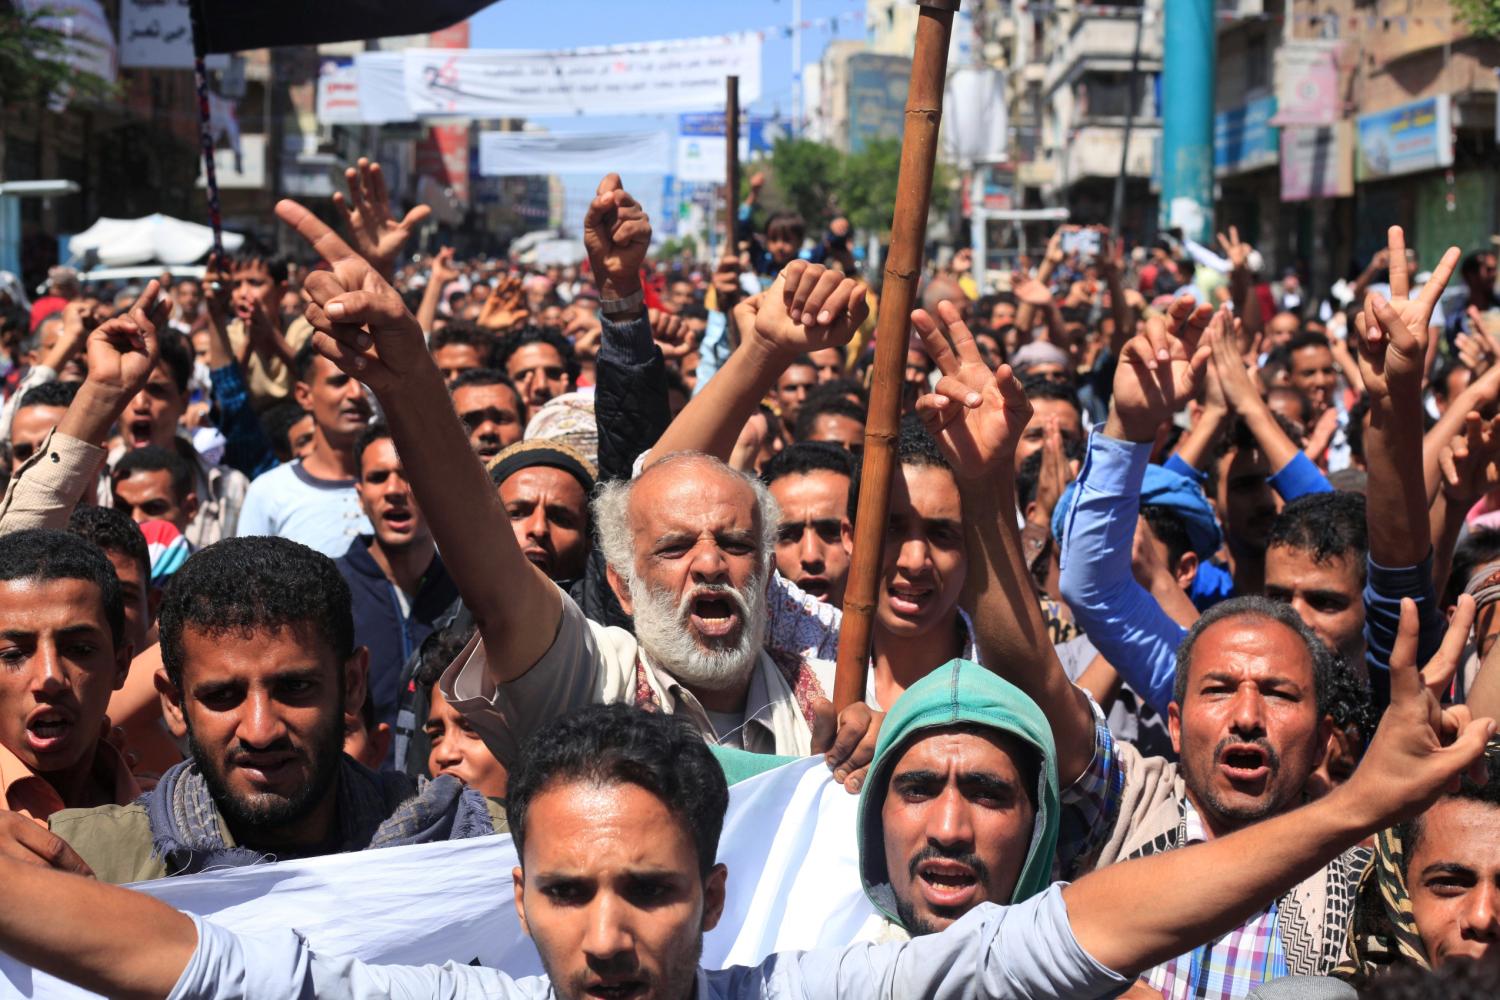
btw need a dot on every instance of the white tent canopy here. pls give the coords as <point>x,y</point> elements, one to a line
<point>154,239</point>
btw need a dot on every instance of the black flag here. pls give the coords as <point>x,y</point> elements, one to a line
<point>237,25</point>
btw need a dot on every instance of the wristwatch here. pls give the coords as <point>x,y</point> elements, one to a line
<point>614,307</point>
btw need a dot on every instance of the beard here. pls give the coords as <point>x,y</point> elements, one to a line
<point>664,629</point>
<point>266,811</point>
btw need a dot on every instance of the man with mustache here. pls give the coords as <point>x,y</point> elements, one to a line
<point>260,672</point>
<point>688,543</point>
<point>617,816</point>
<point>1248,716</point>
<point>919,623</point>
<point>545,486</point>
<point>313,500</point>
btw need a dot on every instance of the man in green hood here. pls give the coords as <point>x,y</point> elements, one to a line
<point>961,803</point>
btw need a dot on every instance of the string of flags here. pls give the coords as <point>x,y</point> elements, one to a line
<point>1399,22</point>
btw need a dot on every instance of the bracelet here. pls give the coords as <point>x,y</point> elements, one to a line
<point>613,307</point>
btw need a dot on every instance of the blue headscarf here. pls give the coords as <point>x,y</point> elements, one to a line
<point>1164,488</point>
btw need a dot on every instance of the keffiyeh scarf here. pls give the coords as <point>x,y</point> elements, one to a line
<point>385,809</point>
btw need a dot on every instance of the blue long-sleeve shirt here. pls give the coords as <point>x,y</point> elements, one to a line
<point>1133,632</point>
<point>1119,616</point>
<point>246,446</point>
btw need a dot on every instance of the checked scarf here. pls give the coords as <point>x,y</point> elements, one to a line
<point>1383,932</point>
<point>385,809</point>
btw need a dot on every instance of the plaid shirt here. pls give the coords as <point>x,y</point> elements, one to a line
<point>1226,968</point>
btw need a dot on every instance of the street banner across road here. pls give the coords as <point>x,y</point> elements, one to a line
<point>683,75</point>
<point>789,843</point>
<point>521,154</point>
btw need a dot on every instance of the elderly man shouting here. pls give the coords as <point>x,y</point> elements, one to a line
<point>689,543</point>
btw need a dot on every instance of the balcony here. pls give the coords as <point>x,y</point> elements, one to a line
<point>1095,152</point>
<point>1104,42</point>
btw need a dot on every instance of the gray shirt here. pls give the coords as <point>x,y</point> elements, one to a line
<point>993,953</point>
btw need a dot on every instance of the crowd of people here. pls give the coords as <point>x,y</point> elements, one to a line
<point>1181,679</point>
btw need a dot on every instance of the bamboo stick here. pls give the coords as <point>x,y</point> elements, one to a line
<point>903,269</point>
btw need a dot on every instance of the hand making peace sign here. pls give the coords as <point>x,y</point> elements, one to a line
<point>361,323</point>
<point>977,416</point>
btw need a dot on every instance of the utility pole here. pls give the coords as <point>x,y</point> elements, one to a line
<point>1187,127</point>
<point>796,68</point>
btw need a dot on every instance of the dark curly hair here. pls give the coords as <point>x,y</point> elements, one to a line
<point>538,335</point>
<point>619,745</point>
<point>1324,525</point>
<point>45,554</point>
<point>914,447</point>
<point>112,531</point>
<point>254,584</point>
<point>50,394</point>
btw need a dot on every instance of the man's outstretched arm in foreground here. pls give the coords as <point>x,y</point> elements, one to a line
<point>122,943</point>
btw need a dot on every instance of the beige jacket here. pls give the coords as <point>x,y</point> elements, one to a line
<point>590,663</point>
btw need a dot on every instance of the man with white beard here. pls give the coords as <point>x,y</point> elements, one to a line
<point>689,543</point>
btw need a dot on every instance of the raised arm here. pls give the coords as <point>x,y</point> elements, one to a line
<point>121,354</point>
<point>1243,397</point>
<point>363,327</point>
<point>377,235</point>
<point>1158,371</point>
<point>1206,890</point>
<point>977,418</point>
<point>1392,347</point>
<point>809,308</point>
<point>1026,310</point>
<point>439,274</point>
<point>1242,288</point>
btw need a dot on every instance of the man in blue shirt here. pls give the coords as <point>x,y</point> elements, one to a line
<point>1132,631</point>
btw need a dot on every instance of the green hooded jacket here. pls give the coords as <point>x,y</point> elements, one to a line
<point>959,693</point>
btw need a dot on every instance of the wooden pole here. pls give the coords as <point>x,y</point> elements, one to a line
<point>903,269</point>
<point>731,164</point>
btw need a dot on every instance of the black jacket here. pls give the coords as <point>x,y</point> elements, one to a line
<point>379,624</point>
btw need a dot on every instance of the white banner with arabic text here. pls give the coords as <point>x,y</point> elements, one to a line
<point>683,75</point>
<point>788,841</point>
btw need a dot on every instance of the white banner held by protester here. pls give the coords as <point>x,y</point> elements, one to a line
<point>789,842</point>
<point>523,154</point>
<point>682,75</point>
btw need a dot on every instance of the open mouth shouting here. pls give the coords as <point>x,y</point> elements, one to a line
<point>1246,763</point>
<point>139,429</point>
<point>947,883</point>
<point>815,586</point>
<point>48,729</point>
<point>715,614</point>
<point>616,989</point>
<point>399,519</point>
<point>909,599</point>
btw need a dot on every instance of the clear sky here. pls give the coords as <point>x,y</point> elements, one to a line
<point>562,24</point>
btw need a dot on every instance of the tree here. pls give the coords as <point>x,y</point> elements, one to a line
<point>36,63</point>
<point>805,177</point>
<point>36,60</point>
<point>867,189</point>
<point>1482,16</point>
